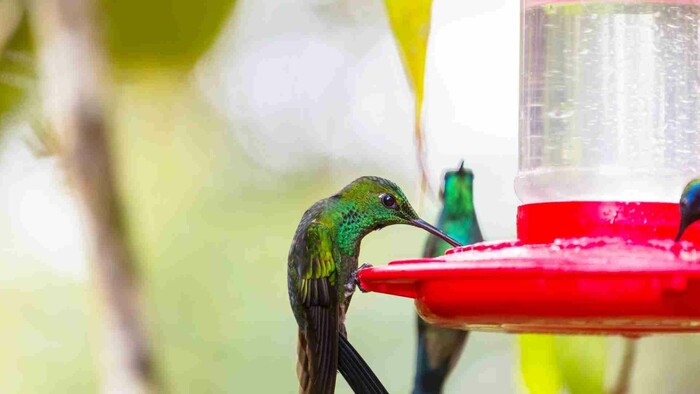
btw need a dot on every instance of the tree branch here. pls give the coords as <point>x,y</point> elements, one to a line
<point>624,378</point>
<point>73,68</point>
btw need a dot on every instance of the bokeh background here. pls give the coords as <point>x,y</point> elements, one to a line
<point>230,120</point>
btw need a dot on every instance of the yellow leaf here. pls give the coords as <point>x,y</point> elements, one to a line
<point>410,23</point>
<point>538,364</point>
<point>581,361</point>
<point>162,33</point>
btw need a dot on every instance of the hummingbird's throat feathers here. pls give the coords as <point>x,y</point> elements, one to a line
<point>458,198</point>
<point>353,225</point>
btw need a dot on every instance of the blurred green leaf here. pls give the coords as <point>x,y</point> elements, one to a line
<point>17,72</point>
<point>162,33</point>
<point>35,338</point>
<point>538,364</point>
<point>582,362</point>
<point>550,363</point>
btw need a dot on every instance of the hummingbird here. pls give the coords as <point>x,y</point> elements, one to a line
<point>439,348</point>
<point>690,206</point>
<point>321,269</point>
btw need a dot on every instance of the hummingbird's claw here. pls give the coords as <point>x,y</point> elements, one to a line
<point>354,276</point>
<point>350,287</point>
<point>354,283</point>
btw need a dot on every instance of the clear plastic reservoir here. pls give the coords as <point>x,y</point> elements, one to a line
<point>609,100</point>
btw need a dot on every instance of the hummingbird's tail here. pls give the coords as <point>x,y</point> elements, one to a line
<point>355,370</point>
<point>317,351</point>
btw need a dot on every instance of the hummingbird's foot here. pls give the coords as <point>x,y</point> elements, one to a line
<point>354,276</point>
<point>349,288</point>
<point>353,283</point>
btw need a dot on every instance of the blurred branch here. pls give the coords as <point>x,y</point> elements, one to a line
<point>622,386</point>
<point>73,67</point>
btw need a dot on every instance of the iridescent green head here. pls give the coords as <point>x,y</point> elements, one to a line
<point>371,203</point>
<point>690,206</point>
<point>457,192</point>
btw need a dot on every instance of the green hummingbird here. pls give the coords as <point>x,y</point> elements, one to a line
<point>322,264</point>
<point>439,348</point>
<point>690,206</point>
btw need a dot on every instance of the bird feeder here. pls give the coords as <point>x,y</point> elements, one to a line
<point>609,135</point>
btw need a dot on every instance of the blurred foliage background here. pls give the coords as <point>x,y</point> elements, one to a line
<point>229,121</point>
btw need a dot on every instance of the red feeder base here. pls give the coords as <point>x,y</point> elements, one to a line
<point>579,267</point>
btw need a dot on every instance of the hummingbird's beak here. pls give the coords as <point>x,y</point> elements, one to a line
<point>420,223</point>
<point>681,228</point>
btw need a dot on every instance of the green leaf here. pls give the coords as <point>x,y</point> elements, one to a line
<point>582,362</point>
<point>17,68</point>
<point>538,364</point>
<point>162,33</point>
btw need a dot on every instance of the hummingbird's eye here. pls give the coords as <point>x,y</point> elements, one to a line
<point>388,200</point>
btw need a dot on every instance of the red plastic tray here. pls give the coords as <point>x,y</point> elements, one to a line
<point>628,277</point>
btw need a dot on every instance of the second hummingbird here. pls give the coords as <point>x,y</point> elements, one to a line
<point>439,348</point>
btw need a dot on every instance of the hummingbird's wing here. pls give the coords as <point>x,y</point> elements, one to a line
<point>317,361</point>
<point>437,354</point>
